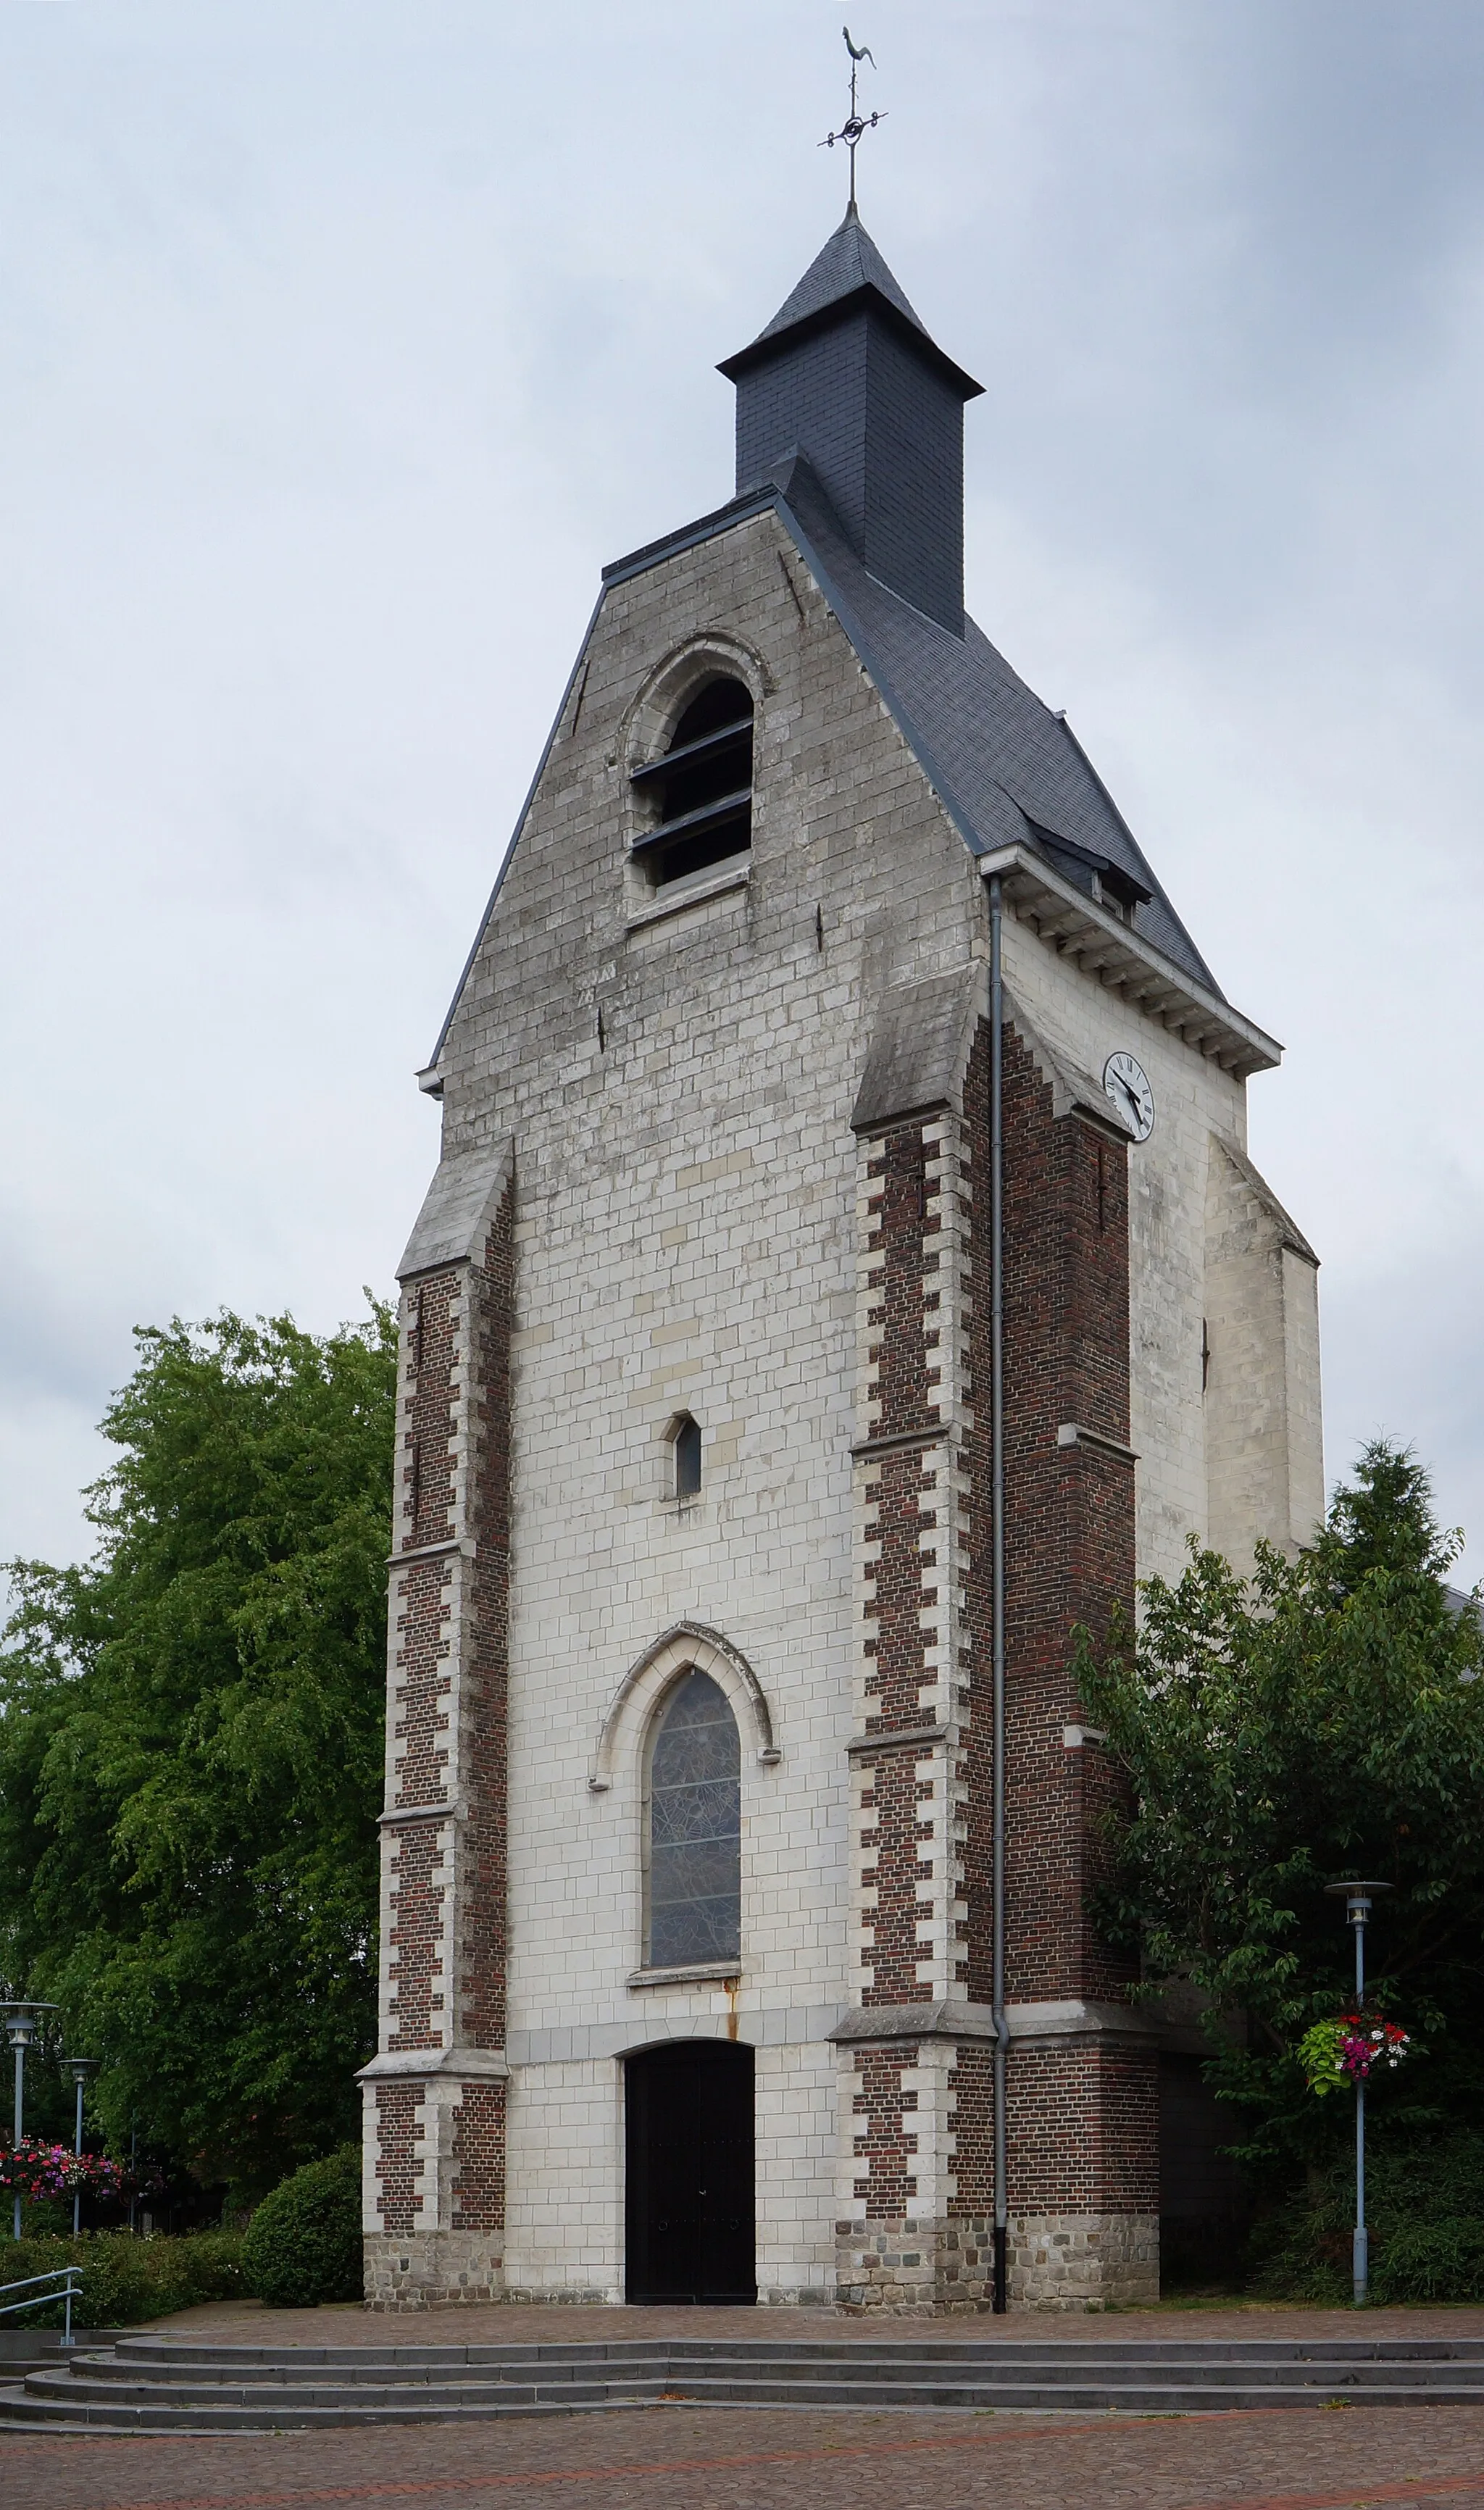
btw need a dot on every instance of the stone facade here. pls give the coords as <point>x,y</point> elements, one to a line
<point>720,1149</point>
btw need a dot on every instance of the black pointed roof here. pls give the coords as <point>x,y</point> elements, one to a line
<point>848,274</point>
<point>1008,767</point>
<point>848,261</point>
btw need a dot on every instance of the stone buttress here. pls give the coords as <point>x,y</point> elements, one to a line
<point>435,2094</point>
<point>917,2188</point>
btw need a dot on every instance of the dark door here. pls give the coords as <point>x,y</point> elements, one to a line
<point>690,2232</point>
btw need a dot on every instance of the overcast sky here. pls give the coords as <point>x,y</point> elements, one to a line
<point>342,341</point>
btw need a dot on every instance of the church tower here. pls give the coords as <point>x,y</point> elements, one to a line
<point>816,921</point>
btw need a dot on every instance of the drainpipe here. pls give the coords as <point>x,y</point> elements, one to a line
<point>997,1522</point>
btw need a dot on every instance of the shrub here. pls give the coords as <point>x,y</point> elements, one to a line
<point>126,2278</point>
<point>303,2244</point>
<point>1425,2204</point>
<point>1432,2262</point>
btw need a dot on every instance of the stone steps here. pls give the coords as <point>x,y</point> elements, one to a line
<point>152,2383</point>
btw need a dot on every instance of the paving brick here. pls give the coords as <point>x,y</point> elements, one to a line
<point>672,2458</point>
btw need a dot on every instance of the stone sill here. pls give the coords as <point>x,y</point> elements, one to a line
<point>692,1974</point>
<point>678,895</point>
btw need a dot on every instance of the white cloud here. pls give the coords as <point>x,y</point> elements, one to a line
<point>341,341</point>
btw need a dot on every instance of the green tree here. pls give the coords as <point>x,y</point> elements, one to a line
<point>191,1747</point>
<point>1324,1720</point>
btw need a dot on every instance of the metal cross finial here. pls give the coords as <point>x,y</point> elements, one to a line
<point>856,129</point>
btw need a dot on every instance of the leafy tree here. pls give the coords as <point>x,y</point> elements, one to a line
<point>191,1747</point>
<point>1325,1719</point>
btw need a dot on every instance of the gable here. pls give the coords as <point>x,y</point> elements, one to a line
<point>1005,769</point>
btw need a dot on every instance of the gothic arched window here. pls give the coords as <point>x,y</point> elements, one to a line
<point>694,1826</point>
<point>702,785</point>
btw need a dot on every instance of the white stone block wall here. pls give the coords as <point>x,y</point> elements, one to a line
<point>688,1239</point>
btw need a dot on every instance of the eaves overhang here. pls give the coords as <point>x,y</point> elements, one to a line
<point>1075,928</point>
<point>866,298</point>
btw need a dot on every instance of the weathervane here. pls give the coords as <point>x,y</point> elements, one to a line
<point>859,125</point>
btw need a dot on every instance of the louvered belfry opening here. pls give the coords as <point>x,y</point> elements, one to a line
<point>702,786</point>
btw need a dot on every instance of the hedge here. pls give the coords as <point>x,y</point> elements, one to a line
<point>125,2277</point>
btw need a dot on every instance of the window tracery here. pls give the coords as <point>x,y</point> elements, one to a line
<point>694,1828</point>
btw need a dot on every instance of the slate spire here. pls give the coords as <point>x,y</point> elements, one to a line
<point>846,374</point>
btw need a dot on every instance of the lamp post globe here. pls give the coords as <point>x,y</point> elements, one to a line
<point>22,2016</point>
<point>1358,1898</point>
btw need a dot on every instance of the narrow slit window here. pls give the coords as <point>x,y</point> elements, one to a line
<point>688,1460</point>
<point>702,788</point>
<point>694,1828</point>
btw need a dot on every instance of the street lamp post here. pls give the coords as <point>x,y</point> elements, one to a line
<point>1357,1898</point>
<point>20,2019</point>
<point>82,2067</point>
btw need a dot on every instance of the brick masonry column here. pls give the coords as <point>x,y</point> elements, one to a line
<point>896,2121</point>
<point>1083,2125</point>
<point>435,2091</point>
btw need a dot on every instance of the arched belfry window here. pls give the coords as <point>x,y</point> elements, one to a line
<point>694,1828</point>
<point>701,788</point>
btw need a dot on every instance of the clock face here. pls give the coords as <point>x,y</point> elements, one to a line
<point>1127,1085</point>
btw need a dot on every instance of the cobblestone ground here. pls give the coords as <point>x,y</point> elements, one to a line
<point>678,2458</point>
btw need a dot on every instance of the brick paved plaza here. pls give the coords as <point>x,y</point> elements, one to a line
<point>677,2458</point>
<point>721,2458</point>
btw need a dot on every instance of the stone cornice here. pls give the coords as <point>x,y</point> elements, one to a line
<point>902,1738</point>
<point>1070,2018</point>
<point>1079,929</point>
<point>464,2065</point>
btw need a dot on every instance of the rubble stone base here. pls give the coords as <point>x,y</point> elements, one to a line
<point>1083,2260</point>
<point>919,2267</point>
<point>429,2266</point>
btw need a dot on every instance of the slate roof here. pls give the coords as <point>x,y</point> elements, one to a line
<point>848,261</point>
<point>850,273</point>
<point>1006,768</point>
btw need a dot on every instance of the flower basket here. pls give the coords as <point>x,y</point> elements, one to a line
<point>1351,2050</point>
<point>39,2170</point>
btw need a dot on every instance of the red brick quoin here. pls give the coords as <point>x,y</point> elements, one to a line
<point>447,1993</point>
<point>479,2182</point>
<point>1083,2124</point>
<point>897,1813</point>
<point>491,1291</point>
<point>902,1282</point>
<point>398,2160</point>
<point>884,2141</point>
<point>478,2144</point>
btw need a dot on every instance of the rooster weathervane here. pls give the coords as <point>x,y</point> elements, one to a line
<point>855,128</point>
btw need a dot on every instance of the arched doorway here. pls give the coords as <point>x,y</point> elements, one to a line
<point>689,2187</point>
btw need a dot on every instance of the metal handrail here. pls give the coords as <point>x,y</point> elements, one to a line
<point>56,2276</point>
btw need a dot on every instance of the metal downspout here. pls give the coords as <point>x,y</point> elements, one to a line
<point>997,1521</point>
